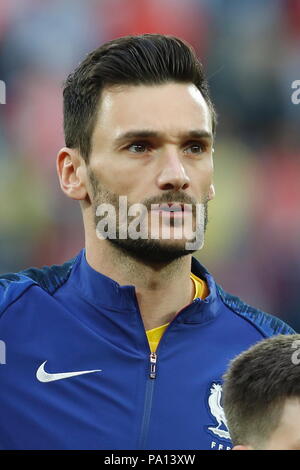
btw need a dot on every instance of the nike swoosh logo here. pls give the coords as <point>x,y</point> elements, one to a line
<point>43,376</point>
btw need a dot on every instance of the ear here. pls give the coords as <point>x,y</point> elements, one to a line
<point>71,170</point>
<point>211,192</point>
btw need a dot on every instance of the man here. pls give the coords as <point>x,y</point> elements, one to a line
<point>124,346</point>
<point>262,396</point>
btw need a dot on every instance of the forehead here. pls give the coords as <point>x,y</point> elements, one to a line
<point>169,107</point>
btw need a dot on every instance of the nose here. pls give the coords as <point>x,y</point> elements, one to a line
<point>172,175</point>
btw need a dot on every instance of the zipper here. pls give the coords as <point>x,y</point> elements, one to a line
<point>148,401</point>
<point>152,375</point>
<point>153,359</point>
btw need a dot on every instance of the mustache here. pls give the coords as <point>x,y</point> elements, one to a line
<point>171,197</point>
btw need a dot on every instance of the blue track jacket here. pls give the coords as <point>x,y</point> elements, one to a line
<point>76,370</point>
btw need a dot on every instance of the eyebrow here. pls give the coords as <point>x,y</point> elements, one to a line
<point>145,133</point>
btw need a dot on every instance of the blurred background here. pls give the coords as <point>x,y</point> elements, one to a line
<point>251,53</point>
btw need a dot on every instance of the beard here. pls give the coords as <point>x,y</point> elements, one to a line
<point>149,250</point>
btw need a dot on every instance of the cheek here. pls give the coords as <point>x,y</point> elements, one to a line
<point>118,179</point>
<point>202,179</point>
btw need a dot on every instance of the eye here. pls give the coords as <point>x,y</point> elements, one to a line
<point>195,148</point>
<point>138,147</point>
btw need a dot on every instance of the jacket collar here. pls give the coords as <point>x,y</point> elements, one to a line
<point>104,291</point>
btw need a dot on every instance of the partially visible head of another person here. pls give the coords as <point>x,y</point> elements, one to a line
<point>261,395</point>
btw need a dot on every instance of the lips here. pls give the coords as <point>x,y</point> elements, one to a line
<point>171,207</point>
<point>174,207</point>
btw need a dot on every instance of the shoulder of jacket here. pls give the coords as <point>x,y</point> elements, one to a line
<point>267,324</point>
<point>48,278</point>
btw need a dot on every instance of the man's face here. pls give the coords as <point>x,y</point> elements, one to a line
<point>153,144</point>
<point>287,434</point>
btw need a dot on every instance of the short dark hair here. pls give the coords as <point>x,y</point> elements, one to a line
<point>149,59</point>
<point>256,386</point>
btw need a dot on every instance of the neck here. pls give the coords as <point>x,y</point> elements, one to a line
<point>161,290</point>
